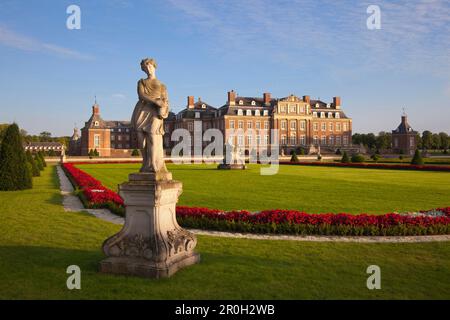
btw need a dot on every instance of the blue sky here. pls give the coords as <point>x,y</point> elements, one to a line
<point>49,74</point>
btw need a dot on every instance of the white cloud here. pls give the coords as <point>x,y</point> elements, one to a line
<point>118,96</point>
<point>13,39</point>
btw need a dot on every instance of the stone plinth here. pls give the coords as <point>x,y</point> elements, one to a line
<point>151,243</point>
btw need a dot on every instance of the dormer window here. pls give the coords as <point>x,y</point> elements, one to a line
<point>203,106</point>
<point>317,105</point>
<point>241,102</point>
<point>322,114</point>
<point>248,112</point>
<point>257,113</point>
<point>337,115</point>
<point>239,112</point>
<point>253,103</point>
<point>315,114</point>
<point>328,105</point>
<point>330,115</point>
<point>266,112</point>
<point>96,123</point>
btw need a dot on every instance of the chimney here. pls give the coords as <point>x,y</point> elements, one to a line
<point>337,102</point>
<point>306,99</point>
<point>190,102</point>
<point>95,109</point>
<point>404,119</point>
<point>267,98</point>
<point>231,98</point>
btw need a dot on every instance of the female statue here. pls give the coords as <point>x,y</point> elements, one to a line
<point>147,120</point>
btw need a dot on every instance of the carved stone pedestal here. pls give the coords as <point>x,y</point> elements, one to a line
<point>151,243</point>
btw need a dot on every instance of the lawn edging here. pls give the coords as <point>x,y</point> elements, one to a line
<point>371,166</point>
<point>429,222</point>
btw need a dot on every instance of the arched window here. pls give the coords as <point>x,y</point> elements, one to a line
<point>241,102</point>
<point>253,103</point>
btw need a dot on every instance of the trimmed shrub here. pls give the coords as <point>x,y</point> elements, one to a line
<point>338,152</point>
<point>39,163</point>
<point>358,158</point>
<point>319,157</point>
<point>294,157</point>
<point>345,158</point>
<point>375,157</point>
<point>41,155</point>
<point>135,153</point>
<point>417,159</point>
<point>35,172</point>
<point>14,171</point>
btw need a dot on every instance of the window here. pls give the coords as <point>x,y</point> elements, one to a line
<point>330,115</point>
<point>266,125</point>
<point>283,109</point>
<point>253,103</point>
<point>240,124</point>
<point>344,127</point>
<point>240,140</point>
<point>411,142</point>
<point>396,142</point>
<point>239,112</point>
<point>266,139</point>
<point>293,124</point>
<point>119,138</point>
<point>248,113</point>
<point>96,123</point>
<point>197,115</point>
<point>322,114</point>
<point>324,126</point>
<point>283,124</point>
<point>241,102</point>
<point>331,139</point>
<point>302,125</point>
<point>258,140</point>
<point>203,106</point>
<point>331,126</point>
<point>338,127</point>
<point>190,126</point>
<point>258,125</point>
<point>337,115</point>
<point>113,137</point>
<point>302,140</point>
<point>328,105</point>
<point>317,105</point>
<point>338,140</point>
<point>292,109</point>
<point>249,124</point>
<point>119,130</point>
<point>293,138</point>
<point>345,140</point>
<point>302,109</point>
<point>315,140</point>
<point>315,114</point>
<point>283,139</point>
<point>231,124</point>
<point>127,130</point>
<point>315,126</point>
<point>324,140</point>
<point>257,113</point>
<point>266,112</point>
<point>249,140</point>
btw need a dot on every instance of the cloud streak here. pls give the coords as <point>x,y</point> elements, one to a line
<point>15,40</point>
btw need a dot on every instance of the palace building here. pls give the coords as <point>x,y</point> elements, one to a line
<point>301,122</point>
<point>404,138</point>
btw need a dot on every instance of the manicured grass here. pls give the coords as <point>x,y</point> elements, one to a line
<point>308,188</point>
<point>38,240</point>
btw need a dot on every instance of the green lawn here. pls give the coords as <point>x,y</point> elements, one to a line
<point>38,240</point>
<point>313,189</point>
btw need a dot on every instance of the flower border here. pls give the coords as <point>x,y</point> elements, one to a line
<point>95,195</point>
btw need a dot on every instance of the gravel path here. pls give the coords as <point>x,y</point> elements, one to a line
<point>73,203</point>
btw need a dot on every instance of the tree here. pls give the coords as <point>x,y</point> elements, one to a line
<point>345,158</point>
<point>39,162</point>
<point>383,140</point>
<point>41,155</point>
<point>45,136</point>
<point>444,140</point>
<point>435,141</point>
<point>417,159</point>
<point>427,139</point>
<point>15,173</point>
<point>35,172</point>
<point>358,158</point>
<point>294,157</point>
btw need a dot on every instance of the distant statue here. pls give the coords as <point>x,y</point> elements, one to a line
<point>147,119</point>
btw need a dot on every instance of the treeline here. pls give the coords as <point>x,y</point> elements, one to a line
<point>383,141</point>
<point>44,136</point>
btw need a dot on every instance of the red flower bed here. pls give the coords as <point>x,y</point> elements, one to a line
<point>372,165</point>
<point>96,195</point>
<point>275,221</point>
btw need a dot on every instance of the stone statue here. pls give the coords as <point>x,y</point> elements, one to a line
<point>148,118</point>
<point>151,242</point>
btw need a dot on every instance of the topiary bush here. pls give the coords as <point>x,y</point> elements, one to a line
<point>14,168</point>
<point>358,158</point>
<point>294,157</point>
<point>375,157</point>
<point>338,152</point>
<point>417,159</point>
<point>135,153</point>
<point>39,162</point>
<point>41,155</point>
<point>35,172</point>
<point>345,158</point>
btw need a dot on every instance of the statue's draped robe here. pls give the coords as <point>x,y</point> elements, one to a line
<point>147,119</point>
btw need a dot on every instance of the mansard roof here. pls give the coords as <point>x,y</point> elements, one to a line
<point>404,127</point>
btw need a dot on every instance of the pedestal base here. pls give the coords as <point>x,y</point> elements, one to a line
<point>144,268</point>
<point>151,243</point>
